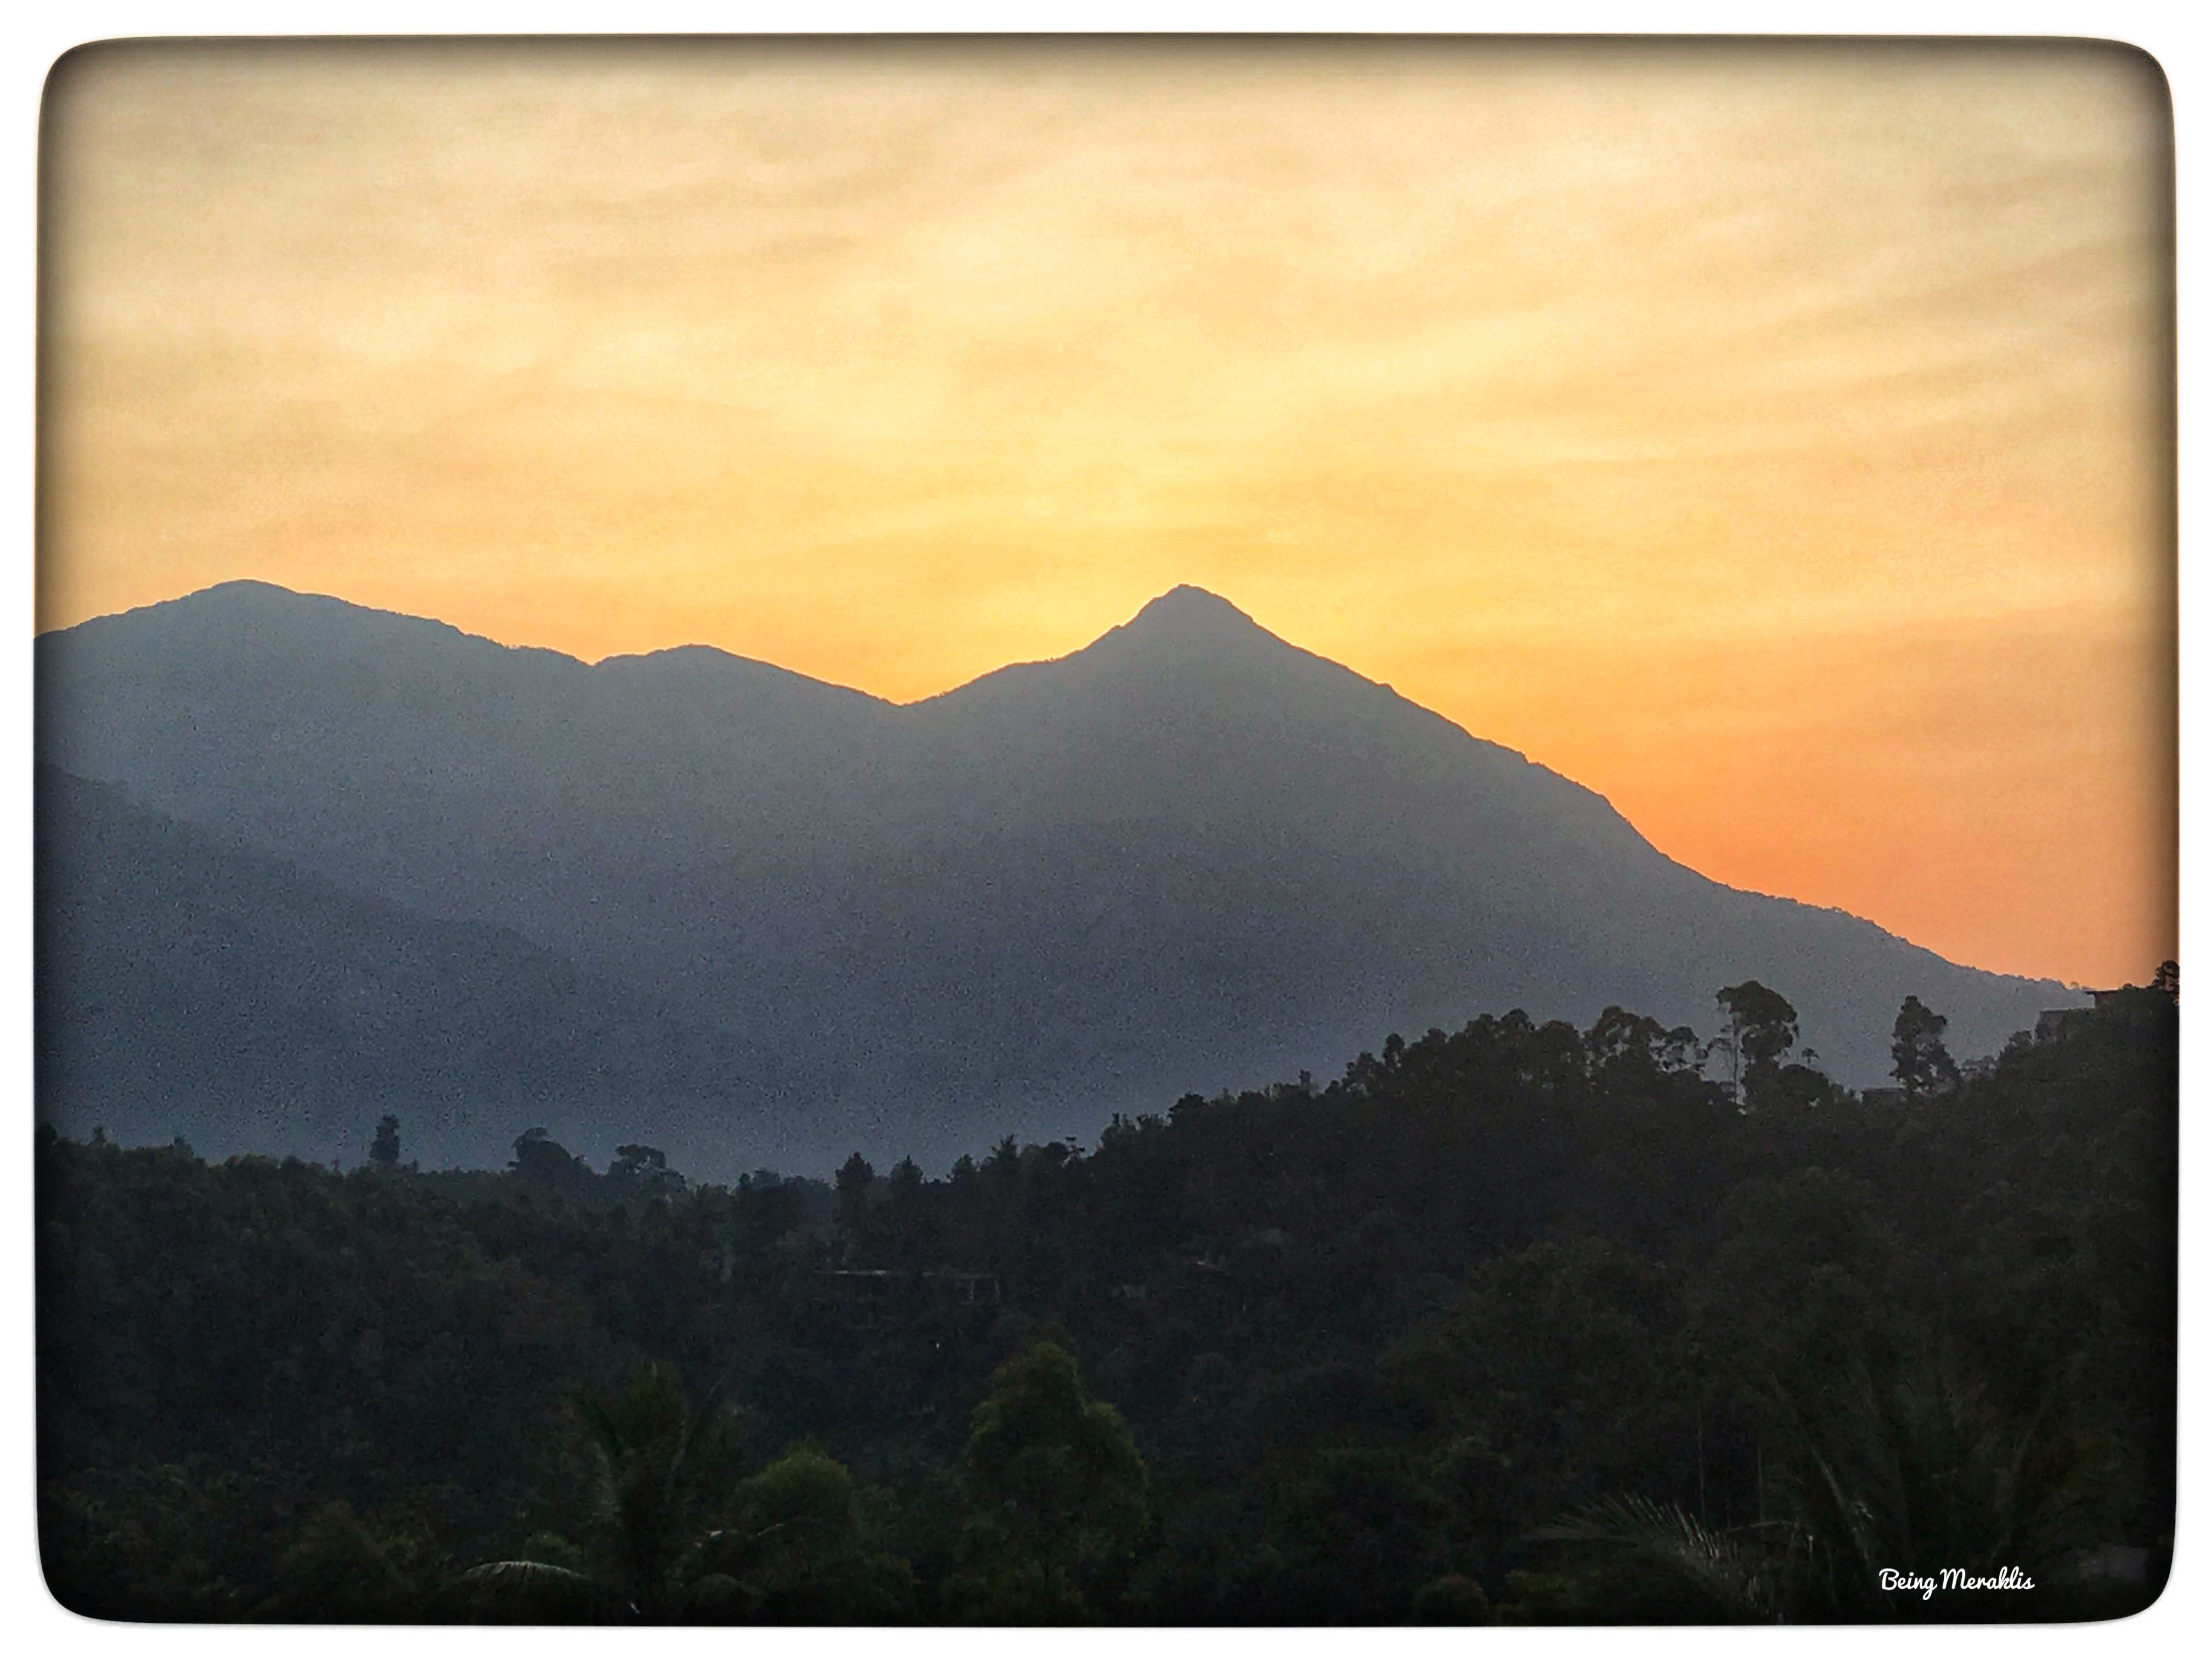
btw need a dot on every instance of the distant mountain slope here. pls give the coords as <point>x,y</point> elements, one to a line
<point>191,985</point>
<point>1188,856</point>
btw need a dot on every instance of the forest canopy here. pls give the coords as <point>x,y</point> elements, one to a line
<point>1521,1322</point>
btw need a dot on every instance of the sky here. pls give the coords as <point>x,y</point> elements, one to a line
<point>1774,440</point>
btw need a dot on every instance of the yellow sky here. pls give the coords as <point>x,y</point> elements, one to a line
<point>1775,440</point>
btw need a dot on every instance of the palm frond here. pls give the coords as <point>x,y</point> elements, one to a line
<point>1715,1570</point>
<point>541,1592</point>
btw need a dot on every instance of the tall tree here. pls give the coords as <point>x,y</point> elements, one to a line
<point>855,1176</point>
<point>1920,1062</point>
<point>1762,1027</point>
<point>1057,1493</point>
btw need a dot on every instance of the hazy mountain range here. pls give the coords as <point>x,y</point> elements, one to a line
<point>301,862</point>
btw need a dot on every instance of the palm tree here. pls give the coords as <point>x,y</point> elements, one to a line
<point>656,1461</point>
<point>1919,1471</point>
<point>1916,1471</point>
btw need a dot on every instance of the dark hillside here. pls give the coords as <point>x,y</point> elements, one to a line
<point>1366,1345</point>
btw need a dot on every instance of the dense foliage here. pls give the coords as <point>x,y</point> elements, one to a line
<point>1518,1323</point>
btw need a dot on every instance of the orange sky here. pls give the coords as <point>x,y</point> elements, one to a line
<point>1773,439</point>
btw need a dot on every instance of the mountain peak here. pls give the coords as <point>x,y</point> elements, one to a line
<point>1185,630</point>
<point>1185,608</point>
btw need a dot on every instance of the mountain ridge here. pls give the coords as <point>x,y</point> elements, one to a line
<point>1189,854</point>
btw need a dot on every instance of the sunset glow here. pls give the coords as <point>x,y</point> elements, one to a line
<point>1774,440</point>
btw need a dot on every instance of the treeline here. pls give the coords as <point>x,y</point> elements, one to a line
<point>1522,1323</point>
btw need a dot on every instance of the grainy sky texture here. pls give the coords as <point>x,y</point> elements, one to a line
<point>1774,440</point>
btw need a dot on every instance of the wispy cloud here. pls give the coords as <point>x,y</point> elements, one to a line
<point>1502,372</point>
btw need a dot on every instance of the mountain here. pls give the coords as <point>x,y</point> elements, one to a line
<point>1188,856</point>
<point>189,985</point>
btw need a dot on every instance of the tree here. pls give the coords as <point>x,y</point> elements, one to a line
<point>799,1551</point>
<point>1548,1377</point>
<point>659,1467</point>
<point>1913,1469</point>
<point>1762,1027</point>
<point>384,1151</point>
<point>1638,1046</point>
<point>645,1169</point>
<point>637,1162</point>
<point>1921,1063</point>
<point>855,1177</point>
<point>1057,1493</point>
<point>910,1224</point>
<point>540,1159</point>
<point>341,1571</point>
<point>1454,1599</point>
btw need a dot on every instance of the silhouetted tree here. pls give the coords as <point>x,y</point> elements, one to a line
<point>1640,1044</point>
<point>855,1177</point>
<point>1920,1063</point>
<point>1912,1466</point>
<point>643,1170</point>
<point>637,1162</point>
<point>1910,1469</point>
<point>384,1151</point>
<point>1762,1027</point>
<point>545,1162</point>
